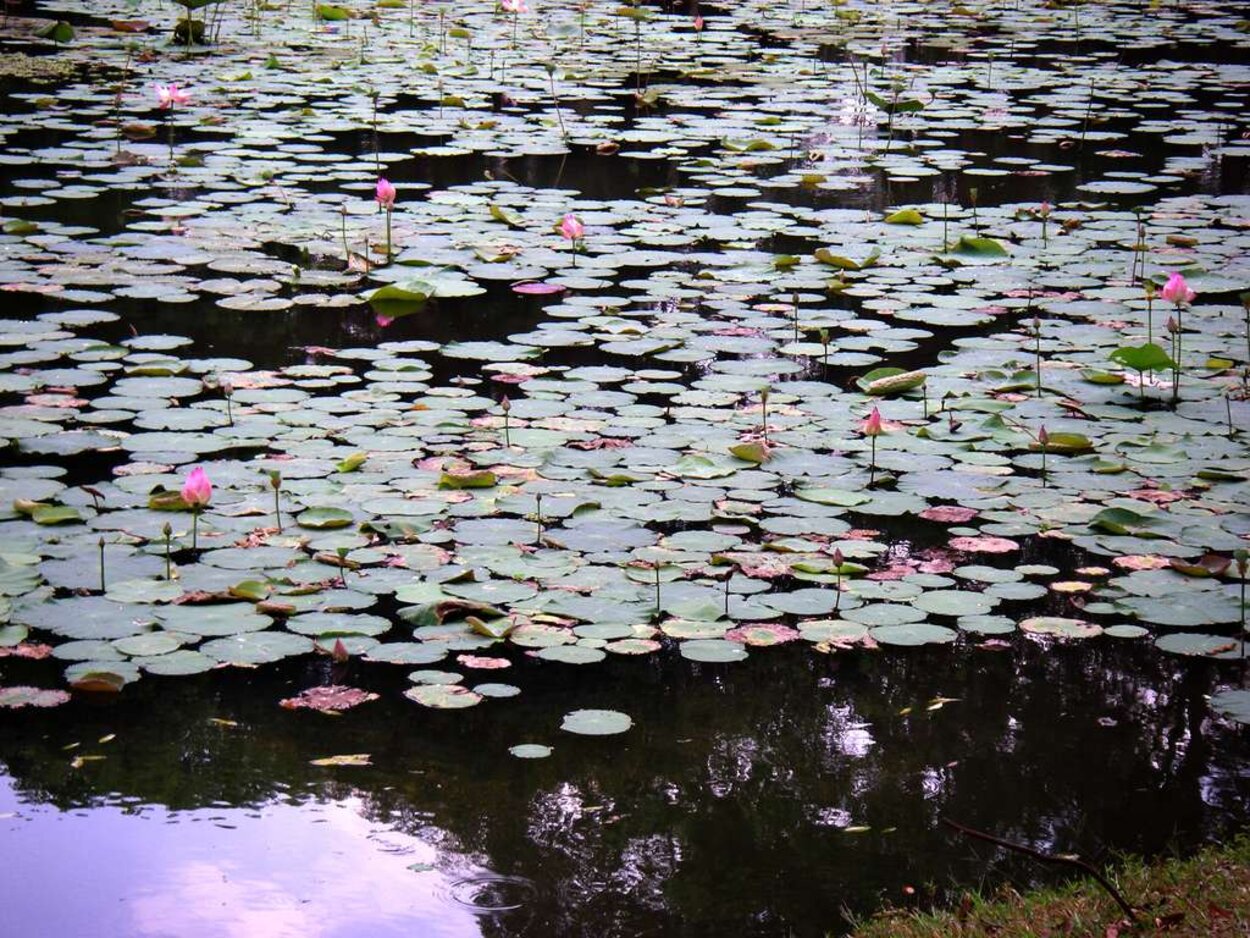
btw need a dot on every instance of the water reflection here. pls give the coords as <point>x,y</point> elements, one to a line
<point>765,798</point>
<point>284,871</point>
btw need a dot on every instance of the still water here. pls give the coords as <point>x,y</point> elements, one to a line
<point>737,804</point>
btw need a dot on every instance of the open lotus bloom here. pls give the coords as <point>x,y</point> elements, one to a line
<point>1177,291</point>
<point>514,6</point>
<point>197,490</point>
<point>169,95</point>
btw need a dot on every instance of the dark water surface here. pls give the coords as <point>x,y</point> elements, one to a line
<point>784,795</point>
<point>733,807</point>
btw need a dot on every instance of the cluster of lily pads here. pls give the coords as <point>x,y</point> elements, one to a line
<point>703,481</point>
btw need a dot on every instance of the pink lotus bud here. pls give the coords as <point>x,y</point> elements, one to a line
<point>385,193</point>
<point>698,24</point>
<point>571,228</point>
<point>197,491</point>
<point>505,404</point>
<point>514,6</point>
<point>339,653</point>
<point>1177,291</point>
<point>1043,437</point>
<point>1044,210</point>
<point>383,321</point>
<point>872,425</point>
<point>169,95</point>
<point>1173,326</point>
<point>837,556</point>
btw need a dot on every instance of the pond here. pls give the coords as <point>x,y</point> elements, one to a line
<point>614,470</point>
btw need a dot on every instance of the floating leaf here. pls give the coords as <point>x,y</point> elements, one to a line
<point>13,698</point>
<point>330,698</point>
<point>531,751</point>
<point>443,696</point>
<point>352,759</point>
<point>596,722</point>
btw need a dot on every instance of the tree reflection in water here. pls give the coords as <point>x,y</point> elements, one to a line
<point>736,802</point>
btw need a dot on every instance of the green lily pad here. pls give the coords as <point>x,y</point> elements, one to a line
<point>531,751</point>
<point>443,696</point>
<point>596,722</point>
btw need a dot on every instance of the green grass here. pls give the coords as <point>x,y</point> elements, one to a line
<point>1207,896</point>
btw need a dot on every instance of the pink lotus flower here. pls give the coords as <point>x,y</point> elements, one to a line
<point>197,491</point>
<point>169,95</point>
<point>385,193</point>
<point>698,24</point>
<point>1044,210</point>
<point>872,425</point>
<point>1177,291</point>
<point>571,228</point>
<point>514,6</point>
<point>383,321</point>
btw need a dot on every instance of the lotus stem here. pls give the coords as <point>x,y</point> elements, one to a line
<point>342,553</point>
<point>169,568</point>
<point>275,483</point>
<point>655,565</point>
<point>872,468</point>
<point>388,235</point>
<point>172,111</point>
<point>1037,352</point>
<point>538,511</point>
<point>1245,305</point>
<point>103,587</point>
<point>347,254</point>
<point>551,74</point>
<point>1150,302</point>
<point>638,46</point>
<point>195,528</point>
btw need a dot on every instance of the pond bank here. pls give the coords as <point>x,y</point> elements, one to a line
<point>1207,895</point>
